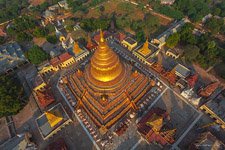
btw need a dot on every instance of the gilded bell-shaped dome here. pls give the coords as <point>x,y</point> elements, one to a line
<point>105,64</point>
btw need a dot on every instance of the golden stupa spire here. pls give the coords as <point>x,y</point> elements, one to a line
<point>101,36</point>
<point>145,49</point>
<point>76,48</point>
<point>53,119</point>
<point>145,46</point>
<point>105,64</point>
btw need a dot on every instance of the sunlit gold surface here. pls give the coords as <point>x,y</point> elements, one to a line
<point>107,88</point>
<point>105,64</point>
<point>76,49</point>
<point>145,49</point>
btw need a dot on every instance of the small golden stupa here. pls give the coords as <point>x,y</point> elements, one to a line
<point>76,49</point>
<point>53,119</point>
<point>145,49</point>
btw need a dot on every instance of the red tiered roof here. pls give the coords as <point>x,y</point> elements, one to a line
<point>60,59</point>
<point>55,61</point>
<point>65,56</point>
<point>45,97</point>
<point>120,36</point>
<point>209,89</point>
<point>147,131</point>
<point>192,80</point>
<point>90,45</point>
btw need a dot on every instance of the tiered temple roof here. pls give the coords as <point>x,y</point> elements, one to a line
<point>107,90</point>
<point>154,128</point>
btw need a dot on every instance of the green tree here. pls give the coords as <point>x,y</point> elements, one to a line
<point>173,40</point>
<point>151,23</point>
<point>36,55</point>
<point>140,36</point>
<point>11,96</point>
<point>123,22</point>
<point>40,32</point>
<point>23,37</point>
<point>191,53</point>
<point>214,25</point>
<point>52,39</point>
<point>69,24</point>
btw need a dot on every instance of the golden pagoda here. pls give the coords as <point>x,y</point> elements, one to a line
<point>76,49</point>
<point>53,119</point>
<point>107,88</point>
<point>145,49</point>
<point>156,122</point>
<point>105,64</point>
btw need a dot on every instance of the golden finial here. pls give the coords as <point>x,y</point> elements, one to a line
<point>101,36</point>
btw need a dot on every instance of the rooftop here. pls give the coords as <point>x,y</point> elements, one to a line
<point>182,71</point>
<point>130,40</point>
<point>51,120</point>
<point>55,61</point>
<point>175,51</point>
<point>11,55</point>
<point>65,56</point>
<point>217,105</point>
<point>147,52</point>
<point>19,142</point>
<point>207,141</point>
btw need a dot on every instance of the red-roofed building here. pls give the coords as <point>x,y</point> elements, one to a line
<point>66,60</point>
<point>120,36</point>
<point>62,61</point>
<point>91,45</point>
<point>209,89</point>
<point>55,62</point>
<point>192,80</point>
<point>153,128</point>
<point>64,57</point>
<point>45,97</point>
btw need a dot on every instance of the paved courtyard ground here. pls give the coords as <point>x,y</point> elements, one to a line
<point>181,113</point>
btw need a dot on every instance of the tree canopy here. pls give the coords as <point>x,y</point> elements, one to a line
<point>11,96</point>
<point>215,25</point>
<point>173,40</point>
<point>10,9</point>
<point>40,32</point>
<point>21,28</point>
<point>36,55</point>
<point>52,39</point>
<point>93,24</point>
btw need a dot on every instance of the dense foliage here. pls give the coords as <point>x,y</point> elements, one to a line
<point>52,39</point>
<point>215,25</point>
<point>200,49</point>
<point>40,32</point>
<point>11,96</point>
<point>21,28</point>
<point>36,55</point>
<point>93,24</point>
<point>173,40</point>
<point>10,9</point>
<point>194,9</point>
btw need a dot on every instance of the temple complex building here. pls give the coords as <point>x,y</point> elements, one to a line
<point>147,53</point>
<point>51,121</point>
<point>154,127</point>
<point>216,109</point>
<point>206,141</point>
<point>106,88</point>
<point>129,43</point>
<point>78,52</point>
